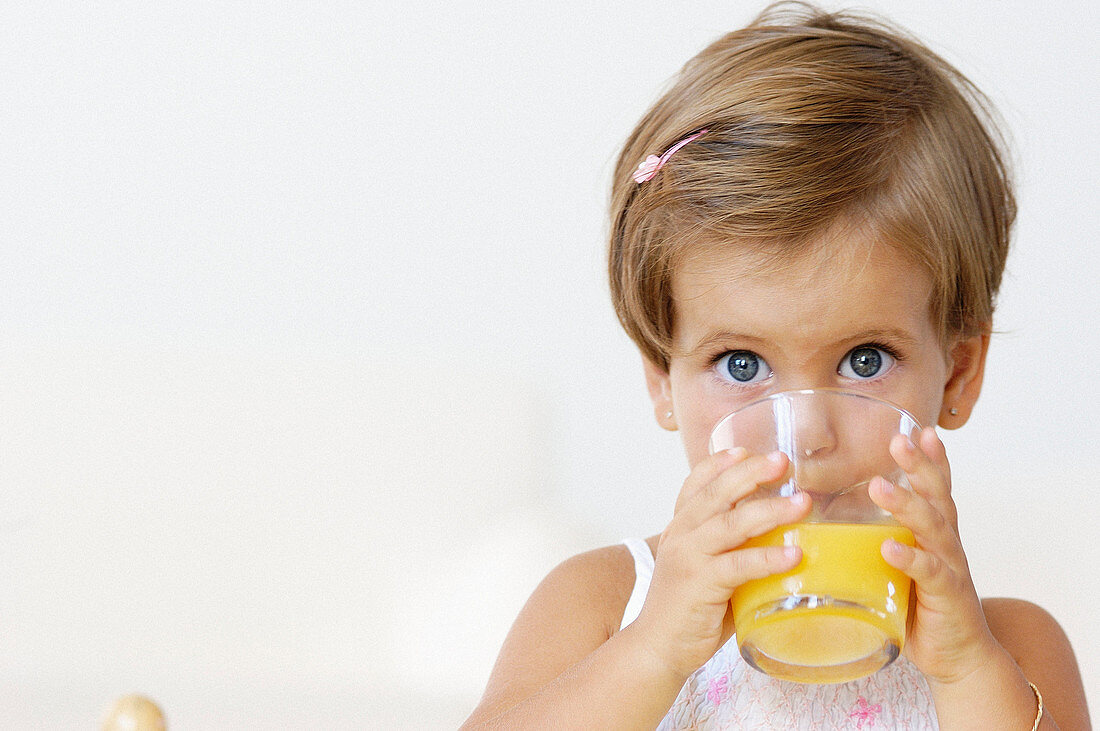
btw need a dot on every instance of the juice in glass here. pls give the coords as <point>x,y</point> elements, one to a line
<point>837,616</point>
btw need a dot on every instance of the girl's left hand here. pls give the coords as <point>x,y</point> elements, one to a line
<point>948,636</point>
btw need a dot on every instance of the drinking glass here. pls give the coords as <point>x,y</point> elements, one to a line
<point>841,613</point>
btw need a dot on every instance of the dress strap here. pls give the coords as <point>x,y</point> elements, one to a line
<point>643,573</point>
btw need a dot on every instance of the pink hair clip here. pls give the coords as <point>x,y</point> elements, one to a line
<point>648,168</point>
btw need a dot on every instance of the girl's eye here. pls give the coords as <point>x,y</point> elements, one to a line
<point>865,362</point>
<point>743,366</point>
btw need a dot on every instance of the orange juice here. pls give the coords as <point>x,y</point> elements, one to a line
<point>839,615</point>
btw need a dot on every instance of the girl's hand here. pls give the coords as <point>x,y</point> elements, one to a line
<point>948,637</point>
<point>699,561</point>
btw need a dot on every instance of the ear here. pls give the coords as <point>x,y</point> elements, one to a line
<point>659,384</point>
<point>966,368</point>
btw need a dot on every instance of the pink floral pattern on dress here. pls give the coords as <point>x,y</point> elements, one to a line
<point>864,712</point>
<point>717,688</point>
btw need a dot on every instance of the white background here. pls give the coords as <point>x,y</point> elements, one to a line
<point>226,223</point>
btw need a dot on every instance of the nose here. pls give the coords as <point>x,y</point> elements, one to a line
<point>816,437</point>
<point>806,428</point>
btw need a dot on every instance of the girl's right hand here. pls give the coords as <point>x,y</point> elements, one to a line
<point>699,558</point>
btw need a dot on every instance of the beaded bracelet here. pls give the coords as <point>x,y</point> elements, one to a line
<point>1039,698</point>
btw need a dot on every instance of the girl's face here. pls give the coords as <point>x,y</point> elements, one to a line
<point>844,315</point>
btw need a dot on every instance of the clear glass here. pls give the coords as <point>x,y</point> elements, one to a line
<point>841,613</point>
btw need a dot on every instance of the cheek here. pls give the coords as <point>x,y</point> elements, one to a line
<point>924,401</point>
<point>700,404</point>
<point>696,443</point>
<point>695,432</point>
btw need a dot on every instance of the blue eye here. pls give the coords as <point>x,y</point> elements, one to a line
<point>743,366</point>
<point>865,362</point>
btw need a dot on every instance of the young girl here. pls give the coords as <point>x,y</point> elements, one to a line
<point>816,202</point>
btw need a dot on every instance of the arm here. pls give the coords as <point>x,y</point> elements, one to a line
<point>1041,652</point>
<point>978,659</point>
<point>1028,645</point>
<point>564,666</point>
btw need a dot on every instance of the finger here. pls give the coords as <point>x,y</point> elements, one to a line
<point>750,518</point>
<point>932,575</point>
<point>927,471</point>
<point>734,568</point>
<point>729,486</point>
<point>932,445</point>
<point>924,474</point>
<point>705,472</point>
<point>934,449</point>
<point>912,510</point>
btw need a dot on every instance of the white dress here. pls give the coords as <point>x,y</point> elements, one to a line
<point>728,694</point>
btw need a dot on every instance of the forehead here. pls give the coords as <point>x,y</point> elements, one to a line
<point>825,291</point>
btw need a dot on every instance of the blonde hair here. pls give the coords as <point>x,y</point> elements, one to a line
<point>811,117</point>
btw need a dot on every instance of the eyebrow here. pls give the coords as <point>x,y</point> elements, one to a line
<point>712,341</point>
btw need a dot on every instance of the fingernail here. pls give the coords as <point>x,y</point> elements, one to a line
<point>886,487</point>
<point>792,552</point>
<point>737,452</point>
<point>777,458</point>
<point>799,498</point>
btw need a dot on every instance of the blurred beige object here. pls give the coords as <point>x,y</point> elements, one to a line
<point>134,713</point>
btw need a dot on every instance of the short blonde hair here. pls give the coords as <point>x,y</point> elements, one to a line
<point>812,116</point>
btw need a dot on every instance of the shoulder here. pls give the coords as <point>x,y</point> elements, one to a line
<point>594,584</point>
<point>1023,628</point>
<point>1041,648</point>
<point>583,596</point>
<point>574,610</point>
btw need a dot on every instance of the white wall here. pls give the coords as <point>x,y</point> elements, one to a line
<point>419,191</point>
